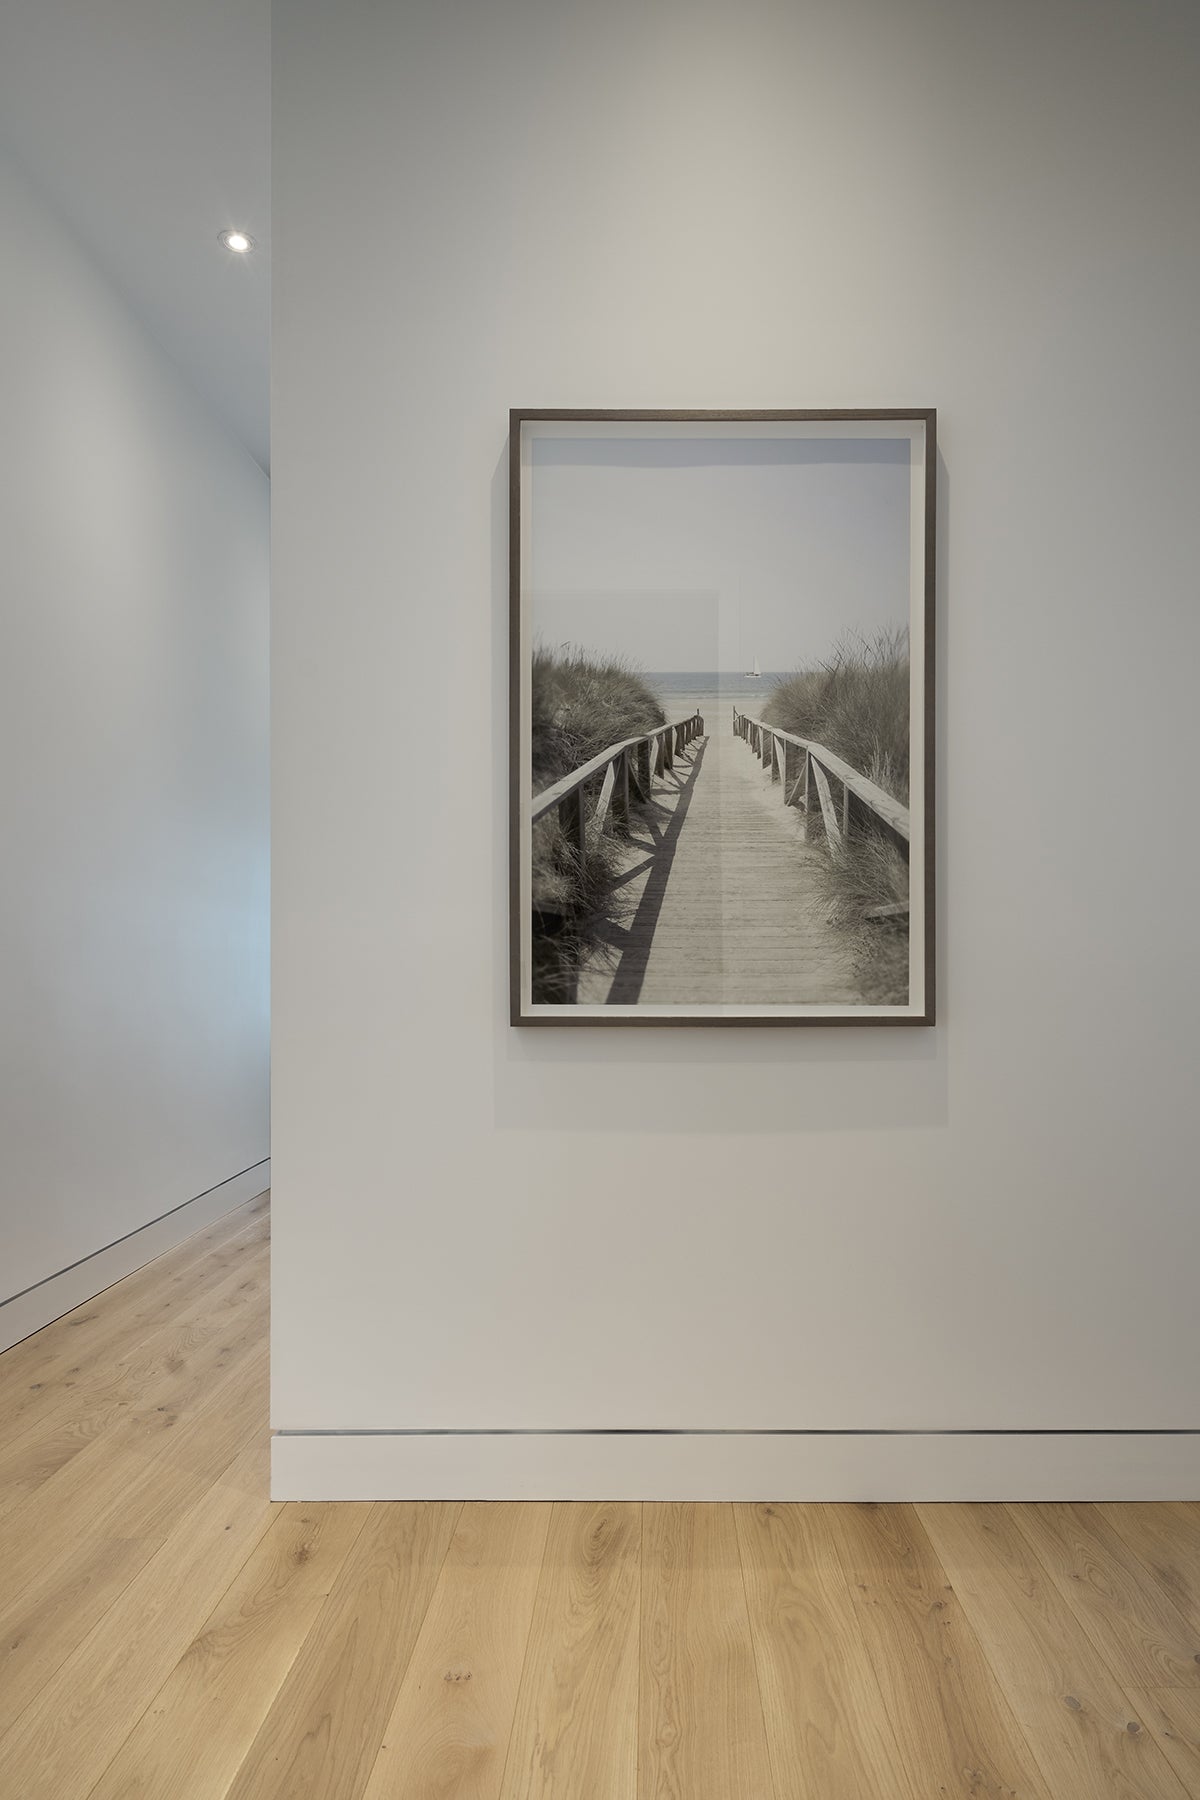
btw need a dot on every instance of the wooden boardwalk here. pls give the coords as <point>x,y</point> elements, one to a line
<point>723,907</point>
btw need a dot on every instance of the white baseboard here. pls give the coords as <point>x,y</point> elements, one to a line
<point>82,1281</point>
<point>735,1466</point>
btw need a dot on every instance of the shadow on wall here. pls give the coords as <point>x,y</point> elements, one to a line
<point>686,1081</point>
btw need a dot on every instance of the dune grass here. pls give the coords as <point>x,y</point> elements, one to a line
<point>580,705</point>
<point>856,704</point>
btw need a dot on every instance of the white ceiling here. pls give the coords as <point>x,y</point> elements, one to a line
<point>146,124</point>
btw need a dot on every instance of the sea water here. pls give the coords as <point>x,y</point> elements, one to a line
<point>714,692</point>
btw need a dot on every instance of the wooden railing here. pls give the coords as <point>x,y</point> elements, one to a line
<point>804,769</point>
<point>620,770</point>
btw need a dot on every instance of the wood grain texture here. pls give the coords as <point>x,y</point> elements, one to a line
<point>1075,1715</point>
<point>57,1609</point>
<point>575,1730</point>
<point>49,1443</point>
<point>321,1736</point>
<point>1172,1716</point>
<point>449,1730</point>
<point>141,1386</point>
<point>92,1338</point>
<point>130,1482</point>
<point>954,1731</point>
<point>194,1735</point>
<point>827,1729</point>
<point>101,1474</point>
<point>701,1734</point>
<point>66,1737</point>
<point>86,1531</point>
<point>1137,1628</point>
<point>1165,1539</point>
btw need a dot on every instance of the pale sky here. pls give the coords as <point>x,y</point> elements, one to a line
<point>702,553</point>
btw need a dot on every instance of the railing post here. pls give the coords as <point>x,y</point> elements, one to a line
<point>621,791</point>
<point>572,817</point>
<point>668,757</point>
<point>806,778</point>
<point>645,760</point>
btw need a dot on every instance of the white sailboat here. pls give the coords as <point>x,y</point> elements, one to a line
<point>754,674</point>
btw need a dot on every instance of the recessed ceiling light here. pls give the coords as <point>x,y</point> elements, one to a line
<point>241,241</point>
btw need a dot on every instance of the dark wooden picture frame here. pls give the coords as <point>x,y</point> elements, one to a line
<point>612,792</point>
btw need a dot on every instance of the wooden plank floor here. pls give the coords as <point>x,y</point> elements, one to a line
<point>722,908</point>
<point>168,1634</point>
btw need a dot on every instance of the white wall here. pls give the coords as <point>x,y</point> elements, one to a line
<point>987,209</point>
<point>134,547</point>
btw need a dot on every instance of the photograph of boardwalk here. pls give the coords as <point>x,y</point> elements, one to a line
<point>720,773</point>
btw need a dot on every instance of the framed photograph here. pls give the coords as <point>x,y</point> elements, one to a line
<point>722,717</point>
